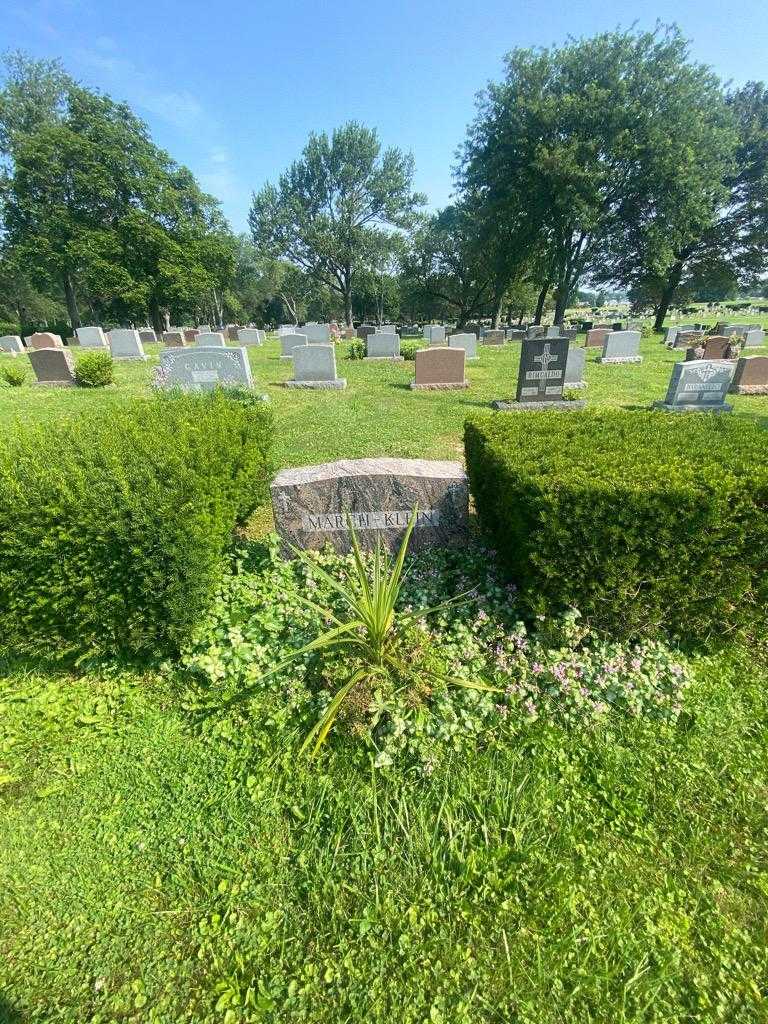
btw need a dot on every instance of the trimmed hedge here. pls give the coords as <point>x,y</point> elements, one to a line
<point>647,522</point>
<point>114,525</point>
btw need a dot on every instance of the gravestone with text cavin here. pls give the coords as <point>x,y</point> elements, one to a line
<point>699,386</point>
<point>203,369</point>
<point>314,505</point>
<point>541,377</point>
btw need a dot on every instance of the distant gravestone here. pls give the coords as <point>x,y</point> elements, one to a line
<point>232,332</point>
<point>754,338</point>
<point>541,377</point>
<point>751,376</point>
<point>387,329</point>
<point>91,337</point>
<point>622,347</point>
<point>147,337</point>
<point>250,336</point>
<point>364,330</point>
<point>44,339</point>
<point>596,337</point>
<point>535,331</point>
<point>191,335</point>
<point>174,339</point>
<point>686,339</point>
<point>384,346</point>
<point>574,367</point>
<point>467,341</point>
<point>311,504</point>
<point>317,334</point>
<point>54,367</point>
<point>699,386</point>
<point>553,331</point>
<point>440,369</point>
<point>493,338</point>
<point>203,369</point>
<point>314,366</point>
<point>288,342</point>
<point>515,334</point>
<point>126,344</point>
<point>435,334</point>
<point>719,348</point>
<point>211,339</point>
<point>11,343</point>
<point>671,332</point>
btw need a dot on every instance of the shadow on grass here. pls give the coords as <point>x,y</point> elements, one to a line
<point>8,1014</point>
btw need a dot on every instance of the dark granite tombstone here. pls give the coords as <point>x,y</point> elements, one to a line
<point>541,377</point>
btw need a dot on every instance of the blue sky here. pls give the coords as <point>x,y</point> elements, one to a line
<point>233,88</point>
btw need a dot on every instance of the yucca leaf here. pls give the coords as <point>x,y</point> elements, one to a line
<point>323,726</point>
<point>421,613</point>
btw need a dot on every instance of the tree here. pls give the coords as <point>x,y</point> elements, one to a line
<point>328,212</point>
<point>587,135</point>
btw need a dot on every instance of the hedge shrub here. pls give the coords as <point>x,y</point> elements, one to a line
<point>647,522</point>
<point>115,524</point>
<point>95,370</point>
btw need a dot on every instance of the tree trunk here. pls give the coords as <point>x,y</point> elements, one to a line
<point>156,316</point>
<point>673,280</point>
<point>497,312</point>
<point>348,303</point>
<point>540,303</point>
<point>69,294</point>
<point>219,318</point>
<point>561,302</point>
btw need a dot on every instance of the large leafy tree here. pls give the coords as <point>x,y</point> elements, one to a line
<point>589,137</point>
<point>328,212</point>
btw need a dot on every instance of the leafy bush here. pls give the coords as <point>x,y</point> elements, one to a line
<point>14,375</point>
<point>7,327</point>
<point>473,674</point>
<point>408,351</point>
<point>120,521</point>
<point>95,370</point>
<point>649,523</point>
<point>356,349</point>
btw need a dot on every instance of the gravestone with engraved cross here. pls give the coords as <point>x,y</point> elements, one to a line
<point>541,377</point>
<point>699,386</point>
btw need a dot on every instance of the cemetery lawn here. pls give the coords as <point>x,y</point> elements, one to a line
<point>155,871</point>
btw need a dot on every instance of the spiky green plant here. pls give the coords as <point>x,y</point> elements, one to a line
<point>372,635</point>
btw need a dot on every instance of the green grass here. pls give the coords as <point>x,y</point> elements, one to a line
<point>152,873</point>
<point>378,414</point>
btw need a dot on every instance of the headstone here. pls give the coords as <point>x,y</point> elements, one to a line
<point>699,386</point>
<point>126,344</point>
<point>440,369</point>
<point>44,339</point>
<point>535,331</point>
<point>54,367</point>
<point>203,369</point>
<point>553,331</point>
<point>232,332</point>
<point>147,337</point>
<point>719,347</point>
<point>574,367</point>
<point>311,504</point>
<point>91,337</point>
<point>11,343</point>
<point>466,341</point>
<point>493,338</point>
<point>364,330</point>
<point>585,325</point>
<point>751,376</point>
<point>384,346</point>
<point>569,333</point>
<point>211,339</point>
<point>622,347</point>
<point>191,334</point>
<point>515,334</point>
<point>174,339</point>
<point>596,337</point>
<point>250,336</point>
<point>387,329</point>
<point>685,339</point>
<point>204,328</point>
<point>754,337</point>
<point>317,333</point>
<point>670,333</point>
<point>314,366</point>
<point>541,377</point>
<point>435,334</point>
<point>288,342</point>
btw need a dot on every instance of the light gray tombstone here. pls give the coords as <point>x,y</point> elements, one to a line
<point>515,334</point>
<point>387,329</point>
<point>622,347</point>
<point>311,504</point>
<point>204,328</point>
<point>203,369</point>
<point>754,337</point>
<point>699,386</point>
<point>492,336</point>
<point>250,336</point>
<point>11,343</point>
<point>210,339</point>
<point>290,341</point>
<point>534,331</point>
<point>314,366</point>
<point>91,337</point>
<point>574,367</point>
<point>317,334</point>
<point>670,333</point>
<point>147,337</point>
<point>54,367</point>
<point>467,341</point>
<point>434,334</point>
<point>126,344</point>
<point>381,346</point>
<point>553,331</point>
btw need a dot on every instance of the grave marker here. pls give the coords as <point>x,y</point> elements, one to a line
<point>751,376</point>
<point>54,367</point>
<point>382,346</point>
<point>754,337</point>
<point>250,336</point>
<point>126,344</point>
<point>44,339</point>
<point>174,339</point>
<point>288,342</point>
<point>439,369</point>
<point>493,338</point>
<point>203,369</point>
<point>541,377</point>
<point>435,334</point>
<point>622,347</point>
<point>698,386</point>
<point>147,337</point>
<point>91,337</point>
<point>311,503</point>
<point>596,337</point>
<point>314,366</point>
<point>467,341</point>
<point>11,343</point>
<point>210,339</point>
<point>574,367</point>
